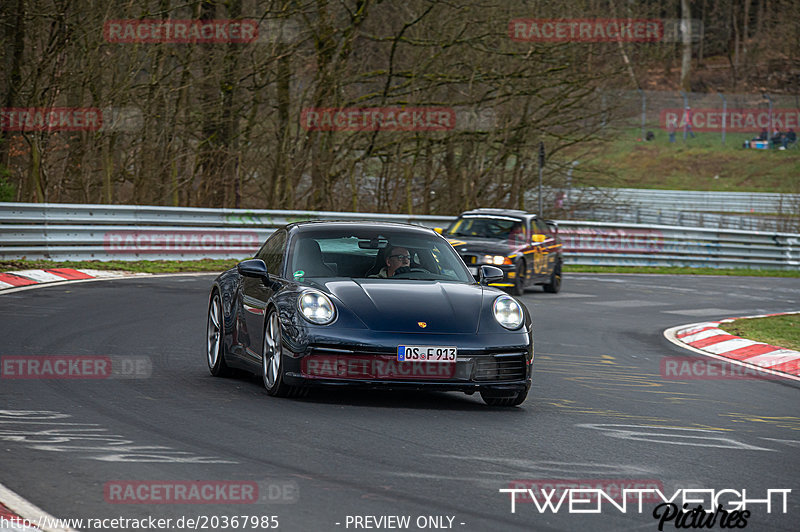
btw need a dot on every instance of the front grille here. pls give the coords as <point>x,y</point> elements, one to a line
<point>366,363</point>
<point>500,368</point>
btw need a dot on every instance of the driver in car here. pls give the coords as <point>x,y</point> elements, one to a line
<point>396,259</point>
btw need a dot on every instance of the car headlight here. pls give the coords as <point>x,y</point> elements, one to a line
<point>316,307</point>
<point>497,260</point>
<point>508,312</point>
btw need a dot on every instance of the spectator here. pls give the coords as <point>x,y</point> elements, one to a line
<point>777,137</point>
<point>559,203</point>
<point>764,135</point>
<point>789,138</point>
<point>687,122</point>
<point>671,125</point>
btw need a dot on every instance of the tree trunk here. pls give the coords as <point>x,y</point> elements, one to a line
<point>686,33</point>
<point>14,69</point>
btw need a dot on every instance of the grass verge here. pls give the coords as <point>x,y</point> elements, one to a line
<point>142,266</point>
<point>783,331</point>
<point>701,163</point>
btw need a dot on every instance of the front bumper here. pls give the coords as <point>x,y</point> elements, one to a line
<point>505,366</point>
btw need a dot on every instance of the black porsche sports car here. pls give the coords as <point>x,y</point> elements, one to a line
<point>371,304</point>
<point>526,248</point>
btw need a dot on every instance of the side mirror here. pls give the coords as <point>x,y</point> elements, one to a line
<point>552,225</point>
<point>537,238</point>
<point>253,268</point>
<point>490,274</point>
<point>439,230</point>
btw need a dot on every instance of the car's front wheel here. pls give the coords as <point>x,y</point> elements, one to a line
<point>493,398</point>
<point>554,285</point>
<point>519,281</point>
<point>215,337</point>
<point>272,368</point>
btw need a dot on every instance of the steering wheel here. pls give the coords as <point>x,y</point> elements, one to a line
<point>407,269</point>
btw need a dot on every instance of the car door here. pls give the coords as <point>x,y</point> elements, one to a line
<point>255,295</point>
<point>541,240</point>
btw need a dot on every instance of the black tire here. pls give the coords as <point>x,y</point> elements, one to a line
<point>215,338</point>
<point>519,281</point>
<point>272,367</point>
<point>554,285</point>
<point>497,399</point>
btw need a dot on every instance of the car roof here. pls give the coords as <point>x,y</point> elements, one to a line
<point>499,212</point>
<point>334,225</point>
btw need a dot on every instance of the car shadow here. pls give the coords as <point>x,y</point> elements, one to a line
<point>398,398</point>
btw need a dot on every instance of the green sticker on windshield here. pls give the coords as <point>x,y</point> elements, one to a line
<point>299,275</point>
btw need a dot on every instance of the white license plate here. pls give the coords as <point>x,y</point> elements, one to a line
<point>426,353</point>
<point>473,270</point>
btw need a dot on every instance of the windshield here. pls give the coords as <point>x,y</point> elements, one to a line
<point>487,227</point>
<point>361,253</point>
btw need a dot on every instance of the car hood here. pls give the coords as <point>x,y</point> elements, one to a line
<point>477,246</point>
<point>412,306</point>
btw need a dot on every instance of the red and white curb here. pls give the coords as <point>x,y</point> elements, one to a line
<point>16,514</point>
<point>708,339</point>
<point>24,278</point>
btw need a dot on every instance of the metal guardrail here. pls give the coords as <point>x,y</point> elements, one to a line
<point>639,215</point>
<point>108,232</point>
<point>601,243</point>
<point>694,200</point>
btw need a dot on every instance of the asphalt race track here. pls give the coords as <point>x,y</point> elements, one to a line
<point>601,413</point>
